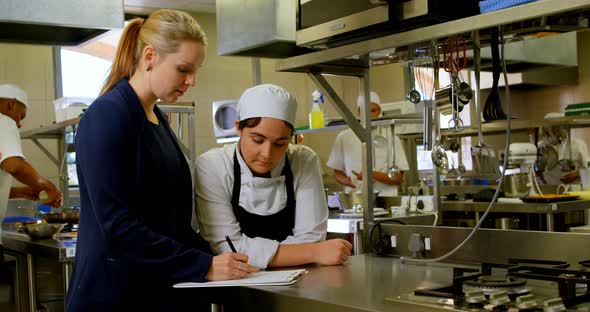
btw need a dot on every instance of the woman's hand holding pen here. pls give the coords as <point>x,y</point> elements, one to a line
<point>331,252</point>
<point>229,266</point>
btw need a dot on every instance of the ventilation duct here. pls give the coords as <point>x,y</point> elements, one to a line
<point>60,23</point>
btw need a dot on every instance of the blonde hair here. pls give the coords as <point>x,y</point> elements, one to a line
<point>163,29</point>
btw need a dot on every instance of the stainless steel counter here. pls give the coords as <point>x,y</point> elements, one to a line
<point>48,259</point>
<point>60,250</point>
<point>362,284</point>
<point>549,209</point>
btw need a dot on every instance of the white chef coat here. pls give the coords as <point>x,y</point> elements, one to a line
<point>262,196</point>
<point>10,146</point>
<point>579,155</point>
<point>346,156</point>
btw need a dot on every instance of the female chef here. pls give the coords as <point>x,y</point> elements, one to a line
<point>264,193</point>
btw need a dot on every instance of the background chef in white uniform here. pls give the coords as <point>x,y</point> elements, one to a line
<point>13,109</point>
<point>265,193</point>
<point>346,156</point>
<point>556,138</point>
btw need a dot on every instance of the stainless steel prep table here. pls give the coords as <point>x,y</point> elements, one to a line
<point>548,209</point>
<point>27,251</point>
<point>362,284</point>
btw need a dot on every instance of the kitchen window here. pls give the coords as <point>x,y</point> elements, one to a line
<point>82,72</point>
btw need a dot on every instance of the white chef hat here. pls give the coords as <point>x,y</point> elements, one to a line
<point>10,91</point>
<point>267,100</point>
<point>374,99</point>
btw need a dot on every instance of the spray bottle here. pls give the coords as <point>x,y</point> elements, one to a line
<point>316,116</point>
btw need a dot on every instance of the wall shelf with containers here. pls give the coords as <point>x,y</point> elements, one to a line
<point>345,60</point>
<point>380,122</point>
<point>355,59</point>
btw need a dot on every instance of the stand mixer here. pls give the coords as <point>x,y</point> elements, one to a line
<point>523,156</point>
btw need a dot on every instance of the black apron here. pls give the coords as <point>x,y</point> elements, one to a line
<point>277,226</point>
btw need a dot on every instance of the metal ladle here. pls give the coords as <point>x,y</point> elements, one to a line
<point>452,172</point>
<point>379,140</point>
<point>461,167</point>
<point>567,164</point>
<point>393,171</point>
<point>414,96</point>
<point>439,157</point>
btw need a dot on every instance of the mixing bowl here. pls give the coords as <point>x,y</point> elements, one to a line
<point>40,230</point>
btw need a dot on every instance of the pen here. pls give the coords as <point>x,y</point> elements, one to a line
<point>231,245</point>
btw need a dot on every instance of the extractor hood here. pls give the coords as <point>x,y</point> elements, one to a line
<point>545,61</point>
<point>258,28</point>
<point>58,22</point>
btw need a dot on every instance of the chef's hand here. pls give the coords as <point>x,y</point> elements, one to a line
<point>229,266</point>
<point>332,252</point>
<point>343,179</point>
<point>570,177</point>
<point>348,182</point>
<point>359,175</point>
<point>54,196</point>
<point>23,192</point>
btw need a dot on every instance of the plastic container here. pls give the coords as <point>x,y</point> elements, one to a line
<point>495,5</point>
<point>70,107</point>
<point>316,116</point>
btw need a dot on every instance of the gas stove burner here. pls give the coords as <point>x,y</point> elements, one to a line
<point>489,284</point>
<point>585,263</point>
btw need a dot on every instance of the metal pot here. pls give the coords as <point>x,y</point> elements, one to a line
<point>348,199</point>
<point>55,217</point>
<point>515,185</point>
<point>66,216</point>
<point>40,230</point>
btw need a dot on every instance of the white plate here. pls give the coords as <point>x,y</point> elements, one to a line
<point>376,212</point>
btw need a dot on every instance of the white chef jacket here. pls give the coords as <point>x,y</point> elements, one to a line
<point>346,156</point>
<point>262,196</point>
<point>10,146</point>
<point>579,155</point>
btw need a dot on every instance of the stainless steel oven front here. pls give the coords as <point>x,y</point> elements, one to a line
<point>325,23</point>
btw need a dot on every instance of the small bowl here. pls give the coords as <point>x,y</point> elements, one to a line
<point>41,230</point>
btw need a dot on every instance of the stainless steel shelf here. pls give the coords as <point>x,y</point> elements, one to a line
<point>500,126</point>
<point>180,107</point>
<point>394,121</point>
<point>53,131</point>
<point>469,205</point>
<point>327,61</point>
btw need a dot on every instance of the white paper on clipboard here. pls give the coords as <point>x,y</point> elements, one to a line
<point>265,278</point>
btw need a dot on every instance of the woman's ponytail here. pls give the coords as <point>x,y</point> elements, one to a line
<point>126,57</point>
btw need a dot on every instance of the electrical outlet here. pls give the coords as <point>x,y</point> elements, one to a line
<point>427,243</point>
<point>393,239</point>
<point>422,203</point>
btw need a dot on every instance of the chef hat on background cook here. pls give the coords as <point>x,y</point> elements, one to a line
<point>10,91</point>
<point>374,99</point>
<point>267,100</point>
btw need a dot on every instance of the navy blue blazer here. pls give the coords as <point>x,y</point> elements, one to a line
<point>135,240</point>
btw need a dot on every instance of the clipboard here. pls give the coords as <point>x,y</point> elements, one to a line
<point>265,278</point>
